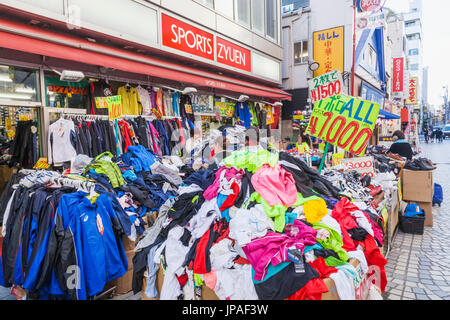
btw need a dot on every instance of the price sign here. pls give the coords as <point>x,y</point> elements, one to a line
<point>344,121</point>
<point>42,164</point>
<point>325,86</point>
<point>114,105</point>
<point>363,165</point>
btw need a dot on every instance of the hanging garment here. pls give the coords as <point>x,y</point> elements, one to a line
<point>61,141</point>
<point>242,112</point>
<point>97,90</point>
<point>144,98</point>
<point>130,100</point>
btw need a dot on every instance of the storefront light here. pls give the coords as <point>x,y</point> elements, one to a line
<point>15,96</point>
<point>25,90</point>
<point>5,78</point>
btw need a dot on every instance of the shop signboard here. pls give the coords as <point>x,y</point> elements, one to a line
<point>328,48</point>
<point>184,37</point>
<point>397,82</point>
<point>412,96</point>
<point>362,165</point>
<point>368,20</point>
<point>114,105</point>
<point>370,5</point>
<point>325,86</point>
<point>344,121</point>
<point>233,55</point>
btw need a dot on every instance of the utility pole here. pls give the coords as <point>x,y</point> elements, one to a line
<point>446,106</point>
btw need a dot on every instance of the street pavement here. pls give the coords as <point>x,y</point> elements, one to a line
<point>419,265</point>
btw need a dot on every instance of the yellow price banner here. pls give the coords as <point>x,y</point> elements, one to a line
<point>114,105</point>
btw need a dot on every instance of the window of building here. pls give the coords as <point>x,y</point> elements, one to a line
<point>272,19</point>
<point>414,67</point>
<point>19,84</point>
<point>301,52</point>
<point>258,14</point>
<point>412,23</point>
<point>414,52</point>
<point>414,36</point>
<point>296,3</point>
<point>225,7</point>
<point>243,11</point>
<point>208,3</point>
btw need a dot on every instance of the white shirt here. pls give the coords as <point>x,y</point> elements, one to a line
<point>61,150</point>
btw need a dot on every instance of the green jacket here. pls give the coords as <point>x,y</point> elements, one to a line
<point>334,242</point>
<point>249,160</point>
<point>108,168</point>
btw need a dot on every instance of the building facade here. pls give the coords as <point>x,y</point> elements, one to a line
<point>225,48</point>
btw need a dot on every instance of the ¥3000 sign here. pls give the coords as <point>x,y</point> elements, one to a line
<point>369,5</point>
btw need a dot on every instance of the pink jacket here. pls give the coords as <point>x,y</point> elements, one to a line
<point>273,247</point>
<point>275,185</point>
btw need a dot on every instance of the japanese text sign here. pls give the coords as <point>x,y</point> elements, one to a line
<point>329,50</point>
<point>325,86</point>
<point>41,164</point>
<point>184,37</point>
<point>398,75</point>
<point>344,121</point>
<point>114,105</point>
<point>412,96</point>
<point>226,109</point>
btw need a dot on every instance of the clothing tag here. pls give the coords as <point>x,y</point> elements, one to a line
<point>296,256</point>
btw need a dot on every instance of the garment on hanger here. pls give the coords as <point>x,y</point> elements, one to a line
<point>144,98</point>
<point>61,142</point>
<point>131,104</point>
<point>98,89</point>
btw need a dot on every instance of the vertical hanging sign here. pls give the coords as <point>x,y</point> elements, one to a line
<point>398,66</point>
<point>329,50</point>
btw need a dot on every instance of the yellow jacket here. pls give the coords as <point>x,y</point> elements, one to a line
<point>130,100</point>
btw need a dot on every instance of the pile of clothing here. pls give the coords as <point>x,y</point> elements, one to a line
<point>263,225</point>
<point>63,233</point>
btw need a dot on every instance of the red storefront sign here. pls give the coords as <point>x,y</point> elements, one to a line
<point>184,37</point>
<point>398,75</point>
<point>233,55</point>
<point>369,5</point>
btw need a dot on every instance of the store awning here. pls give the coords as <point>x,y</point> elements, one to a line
<point>387,115</point>
<point>17,36</point>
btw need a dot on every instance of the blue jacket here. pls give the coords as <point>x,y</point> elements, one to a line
<point>91,253</point>
<point>139,158</point>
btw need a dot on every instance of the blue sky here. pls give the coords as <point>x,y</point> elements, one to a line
<point>436,43</point>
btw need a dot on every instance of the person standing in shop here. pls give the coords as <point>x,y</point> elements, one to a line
<point>304,138</point>
<point>219,152</point>
<point>401,146</point>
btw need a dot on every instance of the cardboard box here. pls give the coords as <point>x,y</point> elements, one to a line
<point>427,207</point>
<point>124,283</point>
<point>5,174</point>
<point>417,185</point>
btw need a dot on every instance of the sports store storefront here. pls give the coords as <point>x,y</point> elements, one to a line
<point>164,51</point>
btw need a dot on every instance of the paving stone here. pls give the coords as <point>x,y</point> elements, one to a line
<point>418,290</point>
<point>422,297</point>
<point>409,295</point>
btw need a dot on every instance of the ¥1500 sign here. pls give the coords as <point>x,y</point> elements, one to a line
<point>344,121</point>
<point>325,86</point>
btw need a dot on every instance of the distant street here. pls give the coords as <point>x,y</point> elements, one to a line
<point>419,266</point>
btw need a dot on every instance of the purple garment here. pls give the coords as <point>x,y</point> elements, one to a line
<point>213,190</point>
<point>273,247</point>
<point>153,98</point>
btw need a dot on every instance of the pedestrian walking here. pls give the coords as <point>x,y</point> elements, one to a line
<point>426,134</point>
<point>440,135</point>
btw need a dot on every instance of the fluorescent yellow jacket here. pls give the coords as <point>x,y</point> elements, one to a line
<point>130,100</point>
